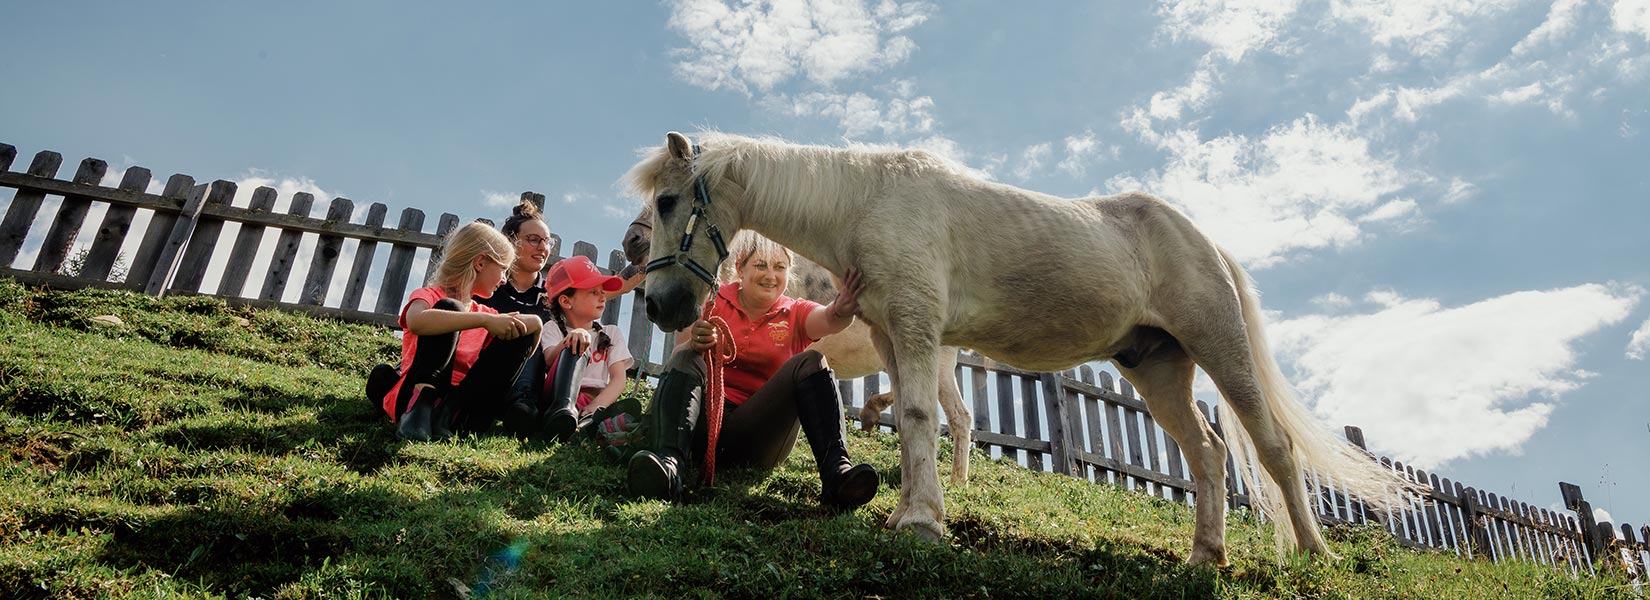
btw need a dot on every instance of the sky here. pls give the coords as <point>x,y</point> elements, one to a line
<point>1444,203</point>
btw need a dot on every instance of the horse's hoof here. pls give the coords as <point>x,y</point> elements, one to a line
<point>1201,556</point>
<point>927,532</point>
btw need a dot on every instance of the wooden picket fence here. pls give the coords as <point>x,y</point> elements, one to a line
<point>1081,422</point>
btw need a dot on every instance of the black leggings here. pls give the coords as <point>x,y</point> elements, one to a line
<point>475,403</point>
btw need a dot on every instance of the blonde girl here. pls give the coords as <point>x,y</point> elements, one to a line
<point>458,356</point>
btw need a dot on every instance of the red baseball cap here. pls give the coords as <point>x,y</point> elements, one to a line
<point>578,273</point>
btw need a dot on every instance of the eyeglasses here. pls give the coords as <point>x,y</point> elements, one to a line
<point>534,240</point>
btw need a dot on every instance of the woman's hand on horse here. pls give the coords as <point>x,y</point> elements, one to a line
<point>847,300</point>
<point>702,336</point>
<point>578,340</point>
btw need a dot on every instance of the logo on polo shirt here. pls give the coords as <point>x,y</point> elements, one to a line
<point>779,331</point>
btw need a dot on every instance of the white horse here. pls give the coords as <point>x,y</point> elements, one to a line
<point>849,353</point>
<point>1035,281</point>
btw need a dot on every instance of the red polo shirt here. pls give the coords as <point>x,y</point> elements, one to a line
<point>765,341</point>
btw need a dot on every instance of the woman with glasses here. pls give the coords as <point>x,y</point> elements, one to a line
<point>529,410</point>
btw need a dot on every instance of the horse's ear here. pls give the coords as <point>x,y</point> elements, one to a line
<point>679,145</point>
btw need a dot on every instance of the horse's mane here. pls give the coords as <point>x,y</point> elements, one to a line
<point>776,167</point>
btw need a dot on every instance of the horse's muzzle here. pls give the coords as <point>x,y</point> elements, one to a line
<point>672,308</point>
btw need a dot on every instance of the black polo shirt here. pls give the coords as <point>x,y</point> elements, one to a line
<point>506,299</point>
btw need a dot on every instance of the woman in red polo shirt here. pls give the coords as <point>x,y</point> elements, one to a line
<point>775,385</point>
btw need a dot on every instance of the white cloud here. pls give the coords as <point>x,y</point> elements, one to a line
<point>1459,191</point>
<point>1079,150</point>
<point>1032,159</point>
<point>1640,343</point>
<point>1430,383</point>
<point>1301,186</point>
<point>1560,22</point>
<point>493,199</point>
<point>1422,28</point>
<point>760,45</point>
<point>859,114</point>
<point>952,152</point>
<point>1631,16</point>
<point>1333,302</point>
<point>1194,95</point>
<point>1231,28</point>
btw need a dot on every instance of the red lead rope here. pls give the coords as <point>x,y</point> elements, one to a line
<point>719,356</point>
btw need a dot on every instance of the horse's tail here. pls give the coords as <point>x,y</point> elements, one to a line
<point>1316,448</point>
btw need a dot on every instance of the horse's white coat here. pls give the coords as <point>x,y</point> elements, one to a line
<point>1028,279</point>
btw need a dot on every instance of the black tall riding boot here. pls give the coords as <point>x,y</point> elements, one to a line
<point>658,474</point>
<point>558,416</point>
<point>819,408</point>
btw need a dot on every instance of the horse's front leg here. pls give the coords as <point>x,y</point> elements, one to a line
<point>957,415</point>
<point>921,507</point>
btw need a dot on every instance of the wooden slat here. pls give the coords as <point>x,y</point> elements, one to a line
<point>365,251</point>
<point>615,262</point>
<point>1064,432</point>
<point>399,269</point>
<point>324,261</point>
<point>203,242</point>
<point>1140,474</point>
<point>245,250</point>
<point>1153,461</point>
<point>182,228</point>
<point>111,233</point>
<point>1131,425</point>
<point>1010,443</point>
<point>1172,452</point>
<point>71,213</point>
<point>144,262</point>
<point>1007,419</point>
<point>8,153</point>
<point>286,251</point>
<point>351,316</point>
<point>1033,420</point>
<point>225,211</point>
<point>24,205</point>
<point>641,330</point>
<point>1091,418</point>
<point>982,404</point>
<point>56,281</point>
<point>446,225</point>
<point>1114,428</point>
<point>585,249</point>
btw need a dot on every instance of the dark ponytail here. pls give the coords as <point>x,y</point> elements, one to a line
<point>522,213</point>
<point>603,342</point>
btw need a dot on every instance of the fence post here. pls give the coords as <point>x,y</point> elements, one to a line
<point>167,258</point>
<point>1584,513</point>
<point>66,223</point>
<point>1355,435</point>
<point>117,223</point>
<point>1477,535</point>
<point>24,205</point>
<point>1059,429</point>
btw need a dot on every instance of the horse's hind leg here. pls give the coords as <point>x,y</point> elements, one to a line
<point>1221,346</point>
<point>1164,379</point>
<point>957,416</point>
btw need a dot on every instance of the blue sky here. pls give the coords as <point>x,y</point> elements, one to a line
<point>1444,203</point>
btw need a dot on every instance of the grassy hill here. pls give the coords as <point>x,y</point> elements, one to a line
<point>198,450</point>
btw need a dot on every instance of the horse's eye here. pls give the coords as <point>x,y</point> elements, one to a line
<point>664,203</point>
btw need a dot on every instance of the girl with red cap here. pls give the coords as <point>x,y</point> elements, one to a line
<point>584,357</point>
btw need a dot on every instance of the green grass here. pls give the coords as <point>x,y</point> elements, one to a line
<point>207,451</point>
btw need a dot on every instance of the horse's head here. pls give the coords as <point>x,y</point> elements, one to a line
<point>693,218</point>
<point>639,237</point>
